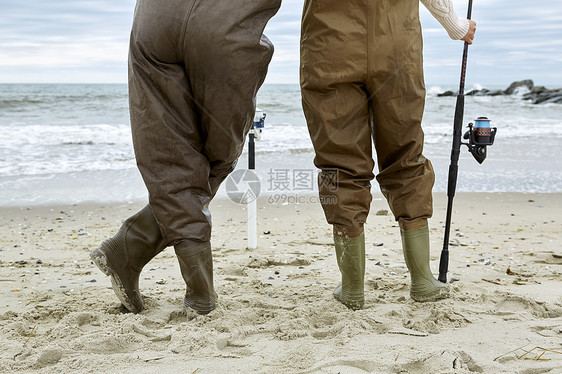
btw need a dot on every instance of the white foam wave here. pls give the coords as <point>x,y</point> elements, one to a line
<point>521,91</point>
<point>15,135</point>
<point>434,90</point>
<point>35,149</point>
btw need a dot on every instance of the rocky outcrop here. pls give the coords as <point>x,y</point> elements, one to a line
<point>537,94</point>
<point>447,93</point>
<point>516,85</point>
<point>486,92</point>
<point>542,95</point>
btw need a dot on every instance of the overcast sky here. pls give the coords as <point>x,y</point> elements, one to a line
<point>86,41</point>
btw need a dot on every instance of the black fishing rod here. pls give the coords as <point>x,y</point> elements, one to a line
<point>479,135</point>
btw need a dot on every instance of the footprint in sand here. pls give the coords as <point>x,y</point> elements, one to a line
<point>442,362</point>
<point>503,304</point>
<point>432,319</point>
<point>550,258</point>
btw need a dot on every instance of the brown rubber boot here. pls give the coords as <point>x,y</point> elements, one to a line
<point>123,256</point>
<point>196,265</point>
<point>416,253</point>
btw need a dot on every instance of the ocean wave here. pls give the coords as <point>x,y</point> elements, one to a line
<point>58,128</point>
<point>16,136</point>
<point>89,142</point>
<point>434,90</point>
<point>7,103</point>
<point>63,165</point>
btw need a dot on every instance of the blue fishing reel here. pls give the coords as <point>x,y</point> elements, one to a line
<point>479,135</point>
<point>258,124</point>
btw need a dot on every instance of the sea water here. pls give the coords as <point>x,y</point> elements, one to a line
<point>68,143</point>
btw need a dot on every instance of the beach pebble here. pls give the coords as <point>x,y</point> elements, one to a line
<point>49,356</point>
<point>382,212</point>
<point>161,281</point>
<point>378,244</point>
<point>82,319</point>
<point>38,262</point>
<point>455,279</point>
<point>505,359</point>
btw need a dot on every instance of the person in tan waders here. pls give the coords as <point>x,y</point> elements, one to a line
<point>194,70</point>
<point>362,79</point>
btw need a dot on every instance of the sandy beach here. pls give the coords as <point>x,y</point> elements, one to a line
<point>276,314</point>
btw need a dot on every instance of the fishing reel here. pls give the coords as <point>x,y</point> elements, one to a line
<point>258,124</point>
<point>479,136</point>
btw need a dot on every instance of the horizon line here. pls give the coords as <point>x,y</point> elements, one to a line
<point>265,83</point>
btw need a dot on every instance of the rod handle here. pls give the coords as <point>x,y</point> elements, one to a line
<point>252,152</point>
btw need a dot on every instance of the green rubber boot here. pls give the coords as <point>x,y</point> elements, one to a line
<point>424,286</point>
<point>123,256</point>
<point>350,253</point>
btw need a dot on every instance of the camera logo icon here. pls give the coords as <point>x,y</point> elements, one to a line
<point>243,186</point>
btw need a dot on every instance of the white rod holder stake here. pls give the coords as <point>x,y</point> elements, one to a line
<point>252,205</point>
<point>253,224</point>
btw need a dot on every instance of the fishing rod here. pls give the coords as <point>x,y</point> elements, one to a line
<point>479,136</point>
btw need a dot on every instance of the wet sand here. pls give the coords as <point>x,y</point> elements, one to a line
<point>276,313</point>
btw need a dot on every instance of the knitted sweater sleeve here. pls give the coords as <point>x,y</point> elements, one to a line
<point>444,12</point>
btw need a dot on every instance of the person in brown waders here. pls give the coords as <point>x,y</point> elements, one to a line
<point>194,70</point>
<point>362,79</point>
